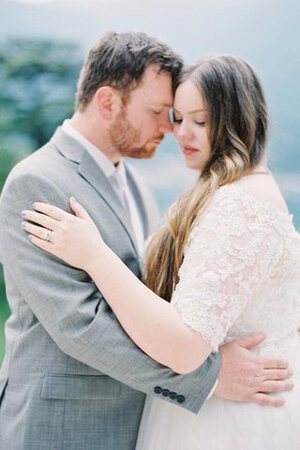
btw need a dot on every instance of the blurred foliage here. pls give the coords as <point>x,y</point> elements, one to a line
<point>37,84</point>
<point>37,87</point>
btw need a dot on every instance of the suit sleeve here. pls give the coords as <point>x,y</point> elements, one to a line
<point>74,313</point>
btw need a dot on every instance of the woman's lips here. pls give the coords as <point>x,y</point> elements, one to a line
<point>189,150</point>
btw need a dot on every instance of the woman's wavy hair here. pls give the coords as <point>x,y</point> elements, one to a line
<point>238,128</point>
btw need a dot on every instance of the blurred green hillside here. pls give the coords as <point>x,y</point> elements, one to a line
<point>37,85</point>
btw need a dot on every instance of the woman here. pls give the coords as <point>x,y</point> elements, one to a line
<point>228,262</point>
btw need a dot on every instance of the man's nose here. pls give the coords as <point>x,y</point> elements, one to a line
<point>165,125</point>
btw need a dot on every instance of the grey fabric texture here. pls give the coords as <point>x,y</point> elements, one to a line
<point>71,377</point>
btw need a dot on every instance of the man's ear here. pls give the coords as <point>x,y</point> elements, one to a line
<point>108,102</point>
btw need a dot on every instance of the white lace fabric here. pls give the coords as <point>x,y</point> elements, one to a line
<point>240,275</point>
<point>240,272</point>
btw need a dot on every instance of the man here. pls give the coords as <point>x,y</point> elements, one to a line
<point>71,377</point>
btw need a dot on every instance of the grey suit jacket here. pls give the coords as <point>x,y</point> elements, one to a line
<point>71,377</point>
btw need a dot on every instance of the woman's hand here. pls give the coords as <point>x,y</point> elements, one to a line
<point>72,238</point>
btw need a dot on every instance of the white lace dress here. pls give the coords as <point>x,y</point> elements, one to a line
<point>241,274</point>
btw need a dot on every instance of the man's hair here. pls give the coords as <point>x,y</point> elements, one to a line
<point>120,60</point>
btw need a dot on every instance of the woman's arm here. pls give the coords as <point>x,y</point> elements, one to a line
<point>153,324</point>
<point>223,266</point>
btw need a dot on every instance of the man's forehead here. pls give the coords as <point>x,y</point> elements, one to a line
<point>156,88</point>
<point>157,98</point>
<point>154,71</point>
<point>155,78</point>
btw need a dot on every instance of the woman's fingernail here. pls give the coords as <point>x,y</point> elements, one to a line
<point>23,224</point>
<point>23,213</point>
<point>73,199</point>
<point>34,204</point>
<point>30,237</point>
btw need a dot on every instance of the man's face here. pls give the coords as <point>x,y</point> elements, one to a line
<point>142,122</point>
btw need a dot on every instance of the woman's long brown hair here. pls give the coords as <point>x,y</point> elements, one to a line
<point>238,126</point>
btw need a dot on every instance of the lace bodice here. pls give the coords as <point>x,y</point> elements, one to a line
<point>241,272</point>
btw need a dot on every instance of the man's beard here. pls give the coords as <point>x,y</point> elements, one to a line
<point>126,139</point>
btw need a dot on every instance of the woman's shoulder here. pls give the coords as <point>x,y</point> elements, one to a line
<point>248,198</point>
<point>235,207</point>
<point>231,200</point>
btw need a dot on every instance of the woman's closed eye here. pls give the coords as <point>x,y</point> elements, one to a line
<point>179,121</point>
<point>175,119</point>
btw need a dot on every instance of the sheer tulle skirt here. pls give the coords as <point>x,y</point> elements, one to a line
<point>222,425</point>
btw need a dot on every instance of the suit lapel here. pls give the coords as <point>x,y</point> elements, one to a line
<point>92,173</point>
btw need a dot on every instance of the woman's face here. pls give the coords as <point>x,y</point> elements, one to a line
<point>191,127</point>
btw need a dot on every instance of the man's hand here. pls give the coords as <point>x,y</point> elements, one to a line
<point>247,377</point>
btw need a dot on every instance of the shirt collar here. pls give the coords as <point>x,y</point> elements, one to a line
<point>100,158</point>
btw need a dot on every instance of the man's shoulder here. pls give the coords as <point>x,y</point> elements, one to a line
<point>46,164</point>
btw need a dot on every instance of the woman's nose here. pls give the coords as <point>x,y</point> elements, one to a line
<point>182,130</point>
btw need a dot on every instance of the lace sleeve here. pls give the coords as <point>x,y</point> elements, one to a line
<point>232,249</point>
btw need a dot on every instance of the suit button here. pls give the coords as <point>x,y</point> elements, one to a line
<point>173,395</point>
<point>180,398</point>
<point>158,390</point>
<point>165,392</point>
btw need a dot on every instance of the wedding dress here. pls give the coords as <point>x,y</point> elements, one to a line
<point>240,275</point>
